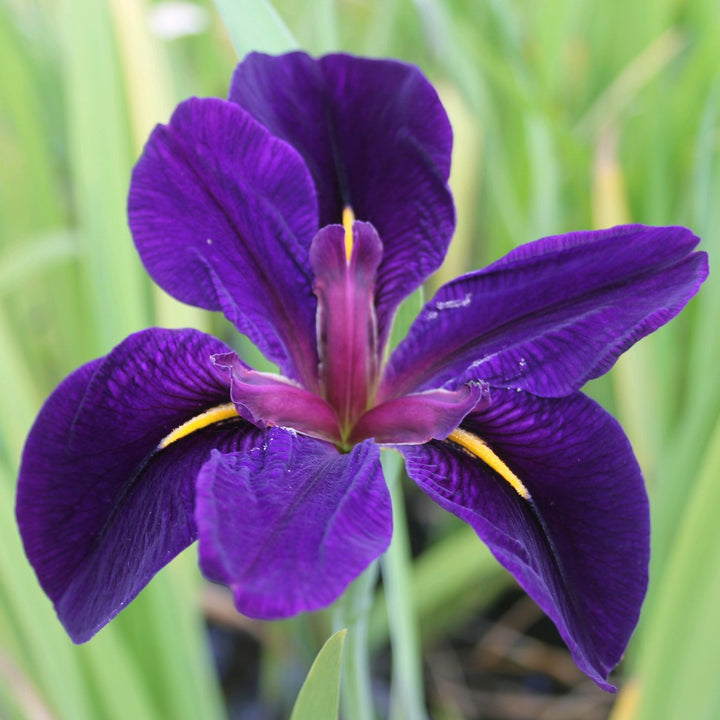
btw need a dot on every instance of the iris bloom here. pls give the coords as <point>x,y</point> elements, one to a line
<point>305,208</point>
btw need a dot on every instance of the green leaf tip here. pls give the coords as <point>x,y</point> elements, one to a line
<point>320,694</point>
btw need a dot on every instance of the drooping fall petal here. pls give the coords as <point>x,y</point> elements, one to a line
<point>580,544</point>
<point>290,524</point>
<point>100,509</point>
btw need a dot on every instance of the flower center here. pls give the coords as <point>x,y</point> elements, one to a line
<point>345,259</point>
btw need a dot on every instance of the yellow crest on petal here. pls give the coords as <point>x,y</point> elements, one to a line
<point>209,417</point>
<point>348,218</point>
<point>480,449</point>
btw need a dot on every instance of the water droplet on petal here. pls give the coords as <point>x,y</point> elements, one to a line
<point>454,303</point>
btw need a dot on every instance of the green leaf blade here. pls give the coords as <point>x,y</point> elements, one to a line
<point>255,25</point>
<point>320,694</point>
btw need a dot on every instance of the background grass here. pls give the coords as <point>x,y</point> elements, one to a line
<point>568,114</point>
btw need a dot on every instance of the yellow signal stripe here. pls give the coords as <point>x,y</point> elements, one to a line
<point>480,449</point>
<point>472,443</point>
<point>209,417</point>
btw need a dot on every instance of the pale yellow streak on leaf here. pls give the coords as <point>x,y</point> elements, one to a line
<point>627,702</point>
<point>150,98</point>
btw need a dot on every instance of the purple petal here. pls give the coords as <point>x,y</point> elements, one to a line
<point>376,138</point>
<point>346,323</point>
<point>420,417</point>
<point>289,525</point>
<point>100,510</point>
<point>580,546</point>
<point>223,215</point>
<point>552,314</point>
<point>266,399</point>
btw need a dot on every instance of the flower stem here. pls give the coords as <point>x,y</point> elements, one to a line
<point>352,612</point>
<point>407,700</point>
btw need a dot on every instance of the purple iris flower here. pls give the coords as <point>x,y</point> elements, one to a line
<point>305,208</point>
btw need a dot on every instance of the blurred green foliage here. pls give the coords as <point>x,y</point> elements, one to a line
<point>568,114</point>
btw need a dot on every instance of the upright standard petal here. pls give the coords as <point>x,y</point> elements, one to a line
<point>100,508</point>
<point>377,139</point>
<point>551,314</point>
<point>223,215</point>
<point>290,524</point>
<point>579,541</point>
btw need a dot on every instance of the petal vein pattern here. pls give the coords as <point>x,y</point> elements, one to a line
<point>305,208</point>
<point>100,511</point>
<point>223,215</point>
<point>580,546</point>
<point>551,315</point>
<point>375,138</point>
<point>308,513</point>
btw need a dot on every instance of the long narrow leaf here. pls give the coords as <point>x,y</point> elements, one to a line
<point>678,661</point>
<point>255,25</point>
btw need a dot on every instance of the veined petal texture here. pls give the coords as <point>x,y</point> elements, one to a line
<point>290,524</point>
<point>376,138</point>
<point>552,314</point>
<point>580,545</point>
<point>223,215</point>
<point>100,510</point>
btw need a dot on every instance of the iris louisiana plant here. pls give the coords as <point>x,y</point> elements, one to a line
<point>305,208</point>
